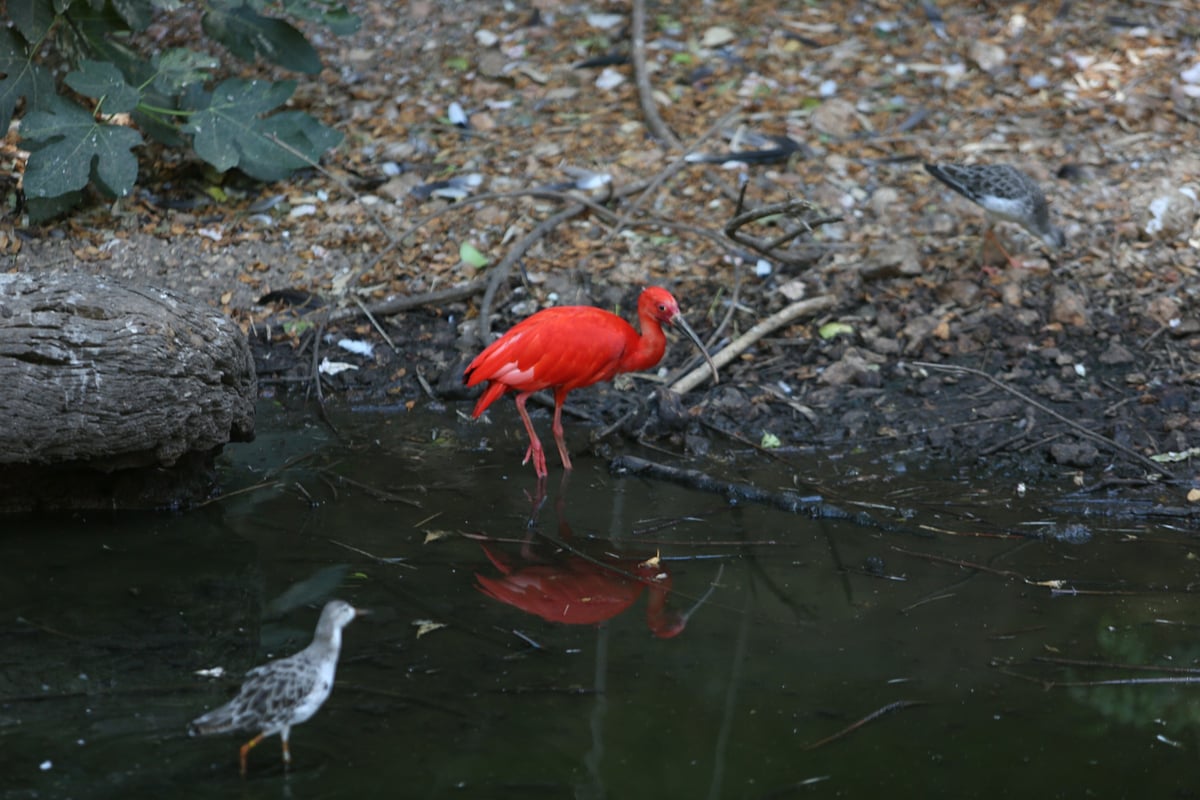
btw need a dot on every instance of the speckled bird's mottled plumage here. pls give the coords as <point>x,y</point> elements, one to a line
<point>1003,191</point>
<point>287,691</point>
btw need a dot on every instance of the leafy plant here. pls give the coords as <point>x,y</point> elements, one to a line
<point>114,89</point>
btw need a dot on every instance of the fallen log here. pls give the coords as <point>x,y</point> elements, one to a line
<point>114,396</point>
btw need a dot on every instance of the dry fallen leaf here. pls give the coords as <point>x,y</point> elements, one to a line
<point>425,626</point>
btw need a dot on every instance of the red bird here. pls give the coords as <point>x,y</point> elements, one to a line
<point>567,347</point>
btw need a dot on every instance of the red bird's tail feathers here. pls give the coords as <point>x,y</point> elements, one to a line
<point>495,390</point>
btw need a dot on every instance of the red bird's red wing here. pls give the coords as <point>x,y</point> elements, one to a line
<point>567,346</point>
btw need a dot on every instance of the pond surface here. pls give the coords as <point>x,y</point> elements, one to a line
<point>742,644</point>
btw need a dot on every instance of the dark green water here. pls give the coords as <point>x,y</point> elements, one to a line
<point>106,620</point>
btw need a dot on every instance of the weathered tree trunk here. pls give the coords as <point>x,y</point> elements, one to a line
<point>113,396</point>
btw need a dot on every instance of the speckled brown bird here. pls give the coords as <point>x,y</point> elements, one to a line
<point>284,692</point>
<point>1005,193</point>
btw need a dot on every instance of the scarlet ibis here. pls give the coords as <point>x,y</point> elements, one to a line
<point>567,347</point>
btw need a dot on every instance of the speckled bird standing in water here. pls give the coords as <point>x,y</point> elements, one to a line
<point>284,692</point>
<point>1005,193</point>
<point>567,347</point>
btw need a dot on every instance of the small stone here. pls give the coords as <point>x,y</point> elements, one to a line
<point>917,331</point>
<point>1077,454</point>
<point>1116,354</point>
<point>851,369</point>
<point>885,202</point>
<point>962,293</point>
<point>988,57</point>
<point>1163,309</point>
<point>836,117</point>
<point>888,259</point>
<point>883,345</point>
<point>1067,307</point>
<point>609,79</point>
<point>717,36</point>
<point>1168,215</point>
<point>1188,326</point>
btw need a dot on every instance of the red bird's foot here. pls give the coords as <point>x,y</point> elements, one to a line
<point>539,460</point>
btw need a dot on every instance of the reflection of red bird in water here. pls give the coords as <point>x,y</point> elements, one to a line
<point>568,347</point>
<point>578,591</point>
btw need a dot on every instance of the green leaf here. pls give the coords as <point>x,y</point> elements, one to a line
<point>249,35</point>
<point>770,441</point>
<point>833,329</point>
<point>68,148</point>
<point>228,131</point>
<point>21,78</point>
<point>470,255</point>
<point>101,79</point>
<point>41,209</point>
<point>295,327</point>
<point>31,17</point>
<point>458,63</point>
<point>332,15</point>
<point>180,67</point>
<point>137,14</point>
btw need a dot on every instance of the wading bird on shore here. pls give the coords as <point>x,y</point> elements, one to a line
<point>568,347</point>
<point>284,692</point>
<point>1005,193</point>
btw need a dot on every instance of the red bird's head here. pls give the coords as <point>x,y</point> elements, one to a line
<point>658,304</point>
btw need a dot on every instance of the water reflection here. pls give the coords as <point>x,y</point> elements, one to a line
<point>562,582</point>
<point>107,621</point>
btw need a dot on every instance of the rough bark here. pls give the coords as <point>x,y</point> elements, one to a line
<point>98,379</point>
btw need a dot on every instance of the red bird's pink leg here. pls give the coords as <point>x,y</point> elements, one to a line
<point>535,444</point>
<point>559,397</point>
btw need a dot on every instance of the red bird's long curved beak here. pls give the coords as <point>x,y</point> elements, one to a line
<point>679,322</point>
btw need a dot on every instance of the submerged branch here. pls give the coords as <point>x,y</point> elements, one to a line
<point>874,715</point>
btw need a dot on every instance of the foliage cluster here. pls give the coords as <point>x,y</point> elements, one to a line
<point>115,87</point>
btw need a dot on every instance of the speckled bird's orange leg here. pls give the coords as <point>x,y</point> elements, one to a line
<point>245,751</point>
<point>557,427</point>
<point>287,753</point>
<point>990,236</point>
<point>535,444</point>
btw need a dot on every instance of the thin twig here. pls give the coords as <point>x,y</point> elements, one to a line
<point>374,322</point>
<point>794,209</point>
<point>316,376</point>
<point>957,562</point>
<point>874,715</point>
<point>739,345</point>
<point>378,494</point>
<point>399,304</point>
<point>815,507</point>
<point>1077,427</point>
<point>665,174</point>
<point>269,484</point>
<point>1083,662</point>
<point>499,273</point>
<point>641,76</point>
